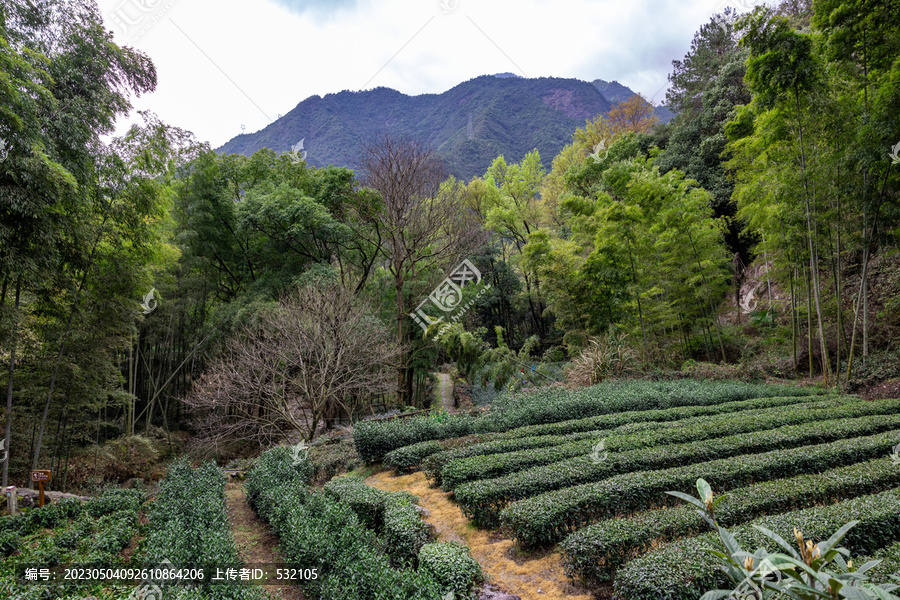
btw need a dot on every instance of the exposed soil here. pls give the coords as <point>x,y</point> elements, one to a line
<point>255,541</point>
<point>882,390</point>
<point>532,577</point>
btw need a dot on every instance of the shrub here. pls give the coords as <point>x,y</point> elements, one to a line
<point>189,527</point>
<point>404,531</point>
<point>555,448</point>
<point>484,499</point>
<point>593,553</point>
<point>522,437</point>
<point>374,439</point>
<point>688,568</point>
<point>367,502</point>
<point>603,358</point>
<point>451,564</point>
<point>318,531</point>
<point>549,517</point>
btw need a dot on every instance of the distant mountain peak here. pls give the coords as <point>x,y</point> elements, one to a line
<point>468,125</point>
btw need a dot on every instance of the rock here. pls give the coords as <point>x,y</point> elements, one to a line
<point>492,592</point>
<point>133,483</point>
<point>422,510</point>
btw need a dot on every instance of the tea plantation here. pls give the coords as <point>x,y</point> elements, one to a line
<point>586,472</point>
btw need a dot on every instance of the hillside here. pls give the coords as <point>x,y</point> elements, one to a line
<point>470,124</point>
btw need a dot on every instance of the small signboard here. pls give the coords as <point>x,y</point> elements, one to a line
<point>40,477</point>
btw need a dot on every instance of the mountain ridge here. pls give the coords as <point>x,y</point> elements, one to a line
<point>468,125</point>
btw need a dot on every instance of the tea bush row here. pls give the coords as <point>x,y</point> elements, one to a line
<point>439,452</point>
<point>557,449</point>
<point>189,528</point>
<point>549,517</point>
<point>393,516</point>
<point>318,531</point>
<point>374,439</point>
<point>683,570</point>
<point>483,500</point>
<point>593,554</point>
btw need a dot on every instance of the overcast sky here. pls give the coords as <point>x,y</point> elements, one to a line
<point>224,64</point>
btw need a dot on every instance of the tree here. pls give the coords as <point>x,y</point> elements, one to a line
<point>318,356</point>
<point>421,226</point>
<point>634,115</point>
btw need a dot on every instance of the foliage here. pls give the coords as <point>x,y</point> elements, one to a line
<point>550,516</point>
<point>594,553</point>
<point>69,532</point>
<point>723,431</point>
<point>324,534</point>
<point>864,524</point>
<point>452,565</point>
<point>189,528</point>
<point>603,358</point>
<point>374,439</point>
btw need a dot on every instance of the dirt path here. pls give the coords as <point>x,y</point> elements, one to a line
<point>255,541</point>
<point>540,578</point>
<point>446,391</point>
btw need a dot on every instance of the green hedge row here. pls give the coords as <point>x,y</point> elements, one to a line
<point>558,448</point>
<point>593,554</point>
<point>374,439</point>
<point>390,515</point>
<point>451,564</point>
<point>318,531</point>
<point>889,567</point>
<point>189,527</point>
<point>683,570</point>
<point>549,517</point>
<point>439,452</point>
<point>483,500</point>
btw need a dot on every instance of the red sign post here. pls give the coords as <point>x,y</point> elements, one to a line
<point>40,477</point>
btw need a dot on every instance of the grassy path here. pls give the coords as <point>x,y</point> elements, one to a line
<point>533,578</point>
<point>255,541</point>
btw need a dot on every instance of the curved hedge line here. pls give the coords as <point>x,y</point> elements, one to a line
<point>483,500</point>
<point>593,554</point>
<point>559,448</point>
<point>683,570</point>
<point>549,517</point>
<point>390,514</point>
<point>374,439</point>
<point>432,455</point>
<point>319,531</point>
<point>452,565</point>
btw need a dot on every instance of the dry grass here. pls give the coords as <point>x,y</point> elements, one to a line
<point>531,577</point>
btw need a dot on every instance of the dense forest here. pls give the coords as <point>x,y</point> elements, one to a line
<point>152,288</point>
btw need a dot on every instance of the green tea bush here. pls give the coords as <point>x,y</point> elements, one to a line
<point>484,499</point>
<point>549,517</point>
<point>451,564</point>
<point>556,448</point>
<point>367,502</point>
<point>593,554</point>
<point>404,532</point>
<point>323,534</point>
<point>189,528</point>
<point>525,437</point>
<point>390,514</point>
<point>684,569</point>
<point>374,439</point>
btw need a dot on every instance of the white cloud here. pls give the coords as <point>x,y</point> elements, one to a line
<point>224,63</point>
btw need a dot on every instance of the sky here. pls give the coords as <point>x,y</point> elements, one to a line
<point>230,66</point>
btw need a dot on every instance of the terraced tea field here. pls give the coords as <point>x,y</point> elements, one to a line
<point>584,474</point>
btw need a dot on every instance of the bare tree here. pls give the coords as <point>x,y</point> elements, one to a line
<point>317,357</point>
<point>422,226</point>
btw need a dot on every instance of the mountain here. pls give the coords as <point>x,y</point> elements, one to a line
<point>615,92</point>
<point>469,125</point>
